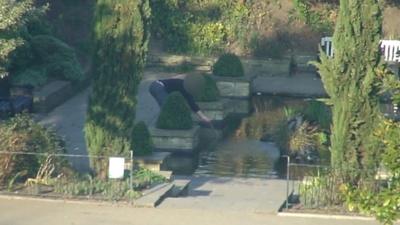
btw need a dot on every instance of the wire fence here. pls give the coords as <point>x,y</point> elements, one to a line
<point>52,176</point>
<point>319,187</point>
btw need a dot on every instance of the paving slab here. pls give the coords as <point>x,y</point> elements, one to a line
<point>231,194</point>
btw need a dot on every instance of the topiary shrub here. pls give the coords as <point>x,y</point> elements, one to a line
<point>210,92</point>
<point>228,65</point>
<point>22,134</point>
<point>175,114</point>
<point>141,140</point>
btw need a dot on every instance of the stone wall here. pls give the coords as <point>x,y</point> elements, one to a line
<point>252,67</point>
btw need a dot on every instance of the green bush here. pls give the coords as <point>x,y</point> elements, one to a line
<point>210,92</point>
<point>175,114</point>
<point>228,65</point>
<point>22,134</point>
<point>58,58</point>
<point>141,140</point>
<point>33,76</point>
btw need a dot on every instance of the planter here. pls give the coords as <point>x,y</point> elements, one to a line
<point>52,95</point>
<point>185,141</point>
<point>230,87</point>
<point>213,110</point>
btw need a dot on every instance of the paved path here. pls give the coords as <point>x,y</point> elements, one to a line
<point>231,194</point>
<point>26,212</point>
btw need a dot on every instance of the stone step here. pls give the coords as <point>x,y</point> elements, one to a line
<point>153,197</point>
<point>181,188</point>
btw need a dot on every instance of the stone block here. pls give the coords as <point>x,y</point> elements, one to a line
<point>152,162</point>
<point>270,67</point>
<point>233,87</point>
<point>213,110</point>
<point>52,95</point>
<point>236,106</point>
<point>302,63</point>
<point>175,140</point>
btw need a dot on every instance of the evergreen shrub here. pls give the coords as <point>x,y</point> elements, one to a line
<point>228,65</point>
<point>175,114</point>
<point>141,140</point>
<point>210,91</point>
<point>59,58</point>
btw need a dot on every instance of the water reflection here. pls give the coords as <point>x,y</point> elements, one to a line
<point>240,158</point>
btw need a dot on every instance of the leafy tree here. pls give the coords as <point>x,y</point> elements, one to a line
<point>121,34</point>
<point>13,15</point>
<point>350,79</point>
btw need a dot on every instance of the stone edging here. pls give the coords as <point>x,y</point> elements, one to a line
<point>325,216</point>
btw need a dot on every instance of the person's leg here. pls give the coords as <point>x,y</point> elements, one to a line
<point>158,92</point>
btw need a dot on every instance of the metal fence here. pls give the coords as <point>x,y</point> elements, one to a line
<point>317,186</point>
<point>53,176</point>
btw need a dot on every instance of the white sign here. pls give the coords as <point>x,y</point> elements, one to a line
<point>116,168</point>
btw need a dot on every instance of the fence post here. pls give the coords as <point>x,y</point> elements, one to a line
<point>287,179</point>
<point>131,172</point>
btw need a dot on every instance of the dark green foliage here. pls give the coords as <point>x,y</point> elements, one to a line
<point>351,81</point>
<point>175,114</point>
<point>319,22</point>
<point>228,65</point>
<point>33,76</point>
<point>141,140</point>
<point>22,134</point>
<point>210,92</point>
<point>317,111</point>
<point>59,58</point>
<point>120,38</point>
<point>44,57</point>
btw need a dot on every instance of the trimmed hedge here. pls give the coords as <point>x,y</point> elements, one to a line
<point>210,92</point>
<point>141,140</point>
<point>175,114</point>
<point>228,65</point>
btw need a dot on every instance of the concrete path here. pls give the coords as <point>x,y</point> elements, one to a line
<point>27,212</point>
<point>231,194</point>
<point>68,121</point>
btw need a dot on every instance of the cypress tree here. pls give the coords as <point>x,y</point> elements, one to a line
<point>350,80</point>
<point>121,34</point>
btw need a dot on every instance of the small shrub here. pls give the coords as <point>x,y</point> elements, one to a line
<point>175,114</point>
<point>22,134</point>
<point>210,92</point>
<point>141,140</point>
<point>228,65</point>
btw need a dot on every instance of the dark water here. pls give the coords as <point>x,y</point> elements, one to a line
<point>240,158</point>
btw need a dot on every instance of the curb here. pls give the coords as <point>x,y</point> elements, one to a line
<point>325,216</point>
<point>66,201</point>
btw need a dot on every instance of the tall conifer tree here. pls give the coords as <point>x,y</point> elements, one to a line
<point>350,80</point>
<point>121,34</point>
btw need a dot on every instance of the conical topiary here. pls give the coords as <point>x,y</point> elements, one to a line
<point>228,65</point>
<point>141,143</point>
<point>175,114</point>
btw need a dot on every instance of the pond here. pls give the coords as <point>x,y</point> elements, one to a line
<point>241,153</point>
<point>240,158</point>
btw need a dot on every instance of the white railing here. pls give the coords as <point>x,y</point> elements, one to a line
<point>390,49</point>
